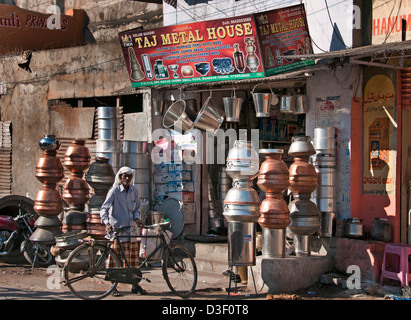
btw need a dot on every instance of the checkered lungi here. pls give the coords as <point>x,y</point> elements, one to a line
<point>131,251</point>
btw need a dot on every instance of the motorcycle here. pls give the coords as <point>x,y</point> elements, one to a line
<point>20,228</point>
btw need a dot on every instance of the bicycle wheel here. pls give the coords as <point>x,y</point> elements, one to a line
<point>179,270</point>
<point>85,271</point>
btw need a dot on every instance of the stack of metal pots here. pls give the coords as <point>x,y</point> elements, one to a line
<point>100,177</point>
<point>76,190</point>
<point>48,203</point>
<point>108,144</point>
<point>136,157</point>
<point>224,185</point>
<point>273,179</point>
<point>241,204</point>
<point>304,215</point>
<point>324,162</point>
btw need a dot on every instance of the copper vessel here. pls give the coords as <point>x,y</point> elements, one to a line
<point>100,177</point>
<point>273,180</point>
<point>77,156</point>
<point>48,203</point>
<point>76,190</point>
<point>304,215</point>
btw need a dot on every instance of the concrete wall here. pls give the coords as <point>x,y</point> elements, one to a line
<point>96,69</point>
<point>337,87</point>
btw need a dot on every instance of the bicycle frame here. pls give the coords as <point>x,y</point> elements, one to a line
<point>163,244</point>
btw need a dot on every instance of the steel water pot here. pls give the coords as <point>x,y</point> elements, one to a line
<point>354,228</point>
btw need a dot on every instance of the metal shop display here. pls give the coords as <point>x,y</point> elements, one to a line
<point>108,143</point>
<point>324,162</point>
<point>76,190</point>
<point>100,176</point>
<point>48,203</point>
<point>304,215</point>
<point>273,179</point>
<point>241,204</point>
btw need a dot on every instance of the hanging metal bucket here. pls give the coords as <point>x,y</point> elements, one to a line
<point>262,102</point>
<point>232,107</point>
<point>287,104</point>
<point>158,107</point>
<point>300,104</point>
<point>210,117</point>
<point>176,115</point>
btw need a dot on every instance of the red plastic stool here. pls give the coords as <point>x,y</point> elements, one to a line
<point>401,272</point>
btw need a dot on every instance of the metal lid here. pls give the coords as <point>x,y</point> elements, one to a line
<point>174,210</point>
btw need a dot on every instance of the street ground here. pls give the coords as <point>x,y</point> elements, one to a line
<point>18,281</point>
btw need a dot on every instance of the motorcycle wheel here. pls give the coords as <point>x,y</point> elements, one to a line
<point>43,259</point>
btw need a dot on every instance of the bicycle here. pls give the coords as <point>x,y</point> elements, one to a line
<point>87,275</point>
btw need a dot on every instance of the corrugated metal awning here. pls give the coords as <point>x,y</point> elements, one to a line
<point>388,55</point>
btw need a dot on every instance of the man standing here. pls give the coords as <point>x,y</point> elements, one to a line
<point>122,209</point>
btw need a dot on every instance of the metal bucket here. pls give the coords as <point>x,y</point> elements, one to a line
<point>327,224</point>
<point>232,107</point>
<point>154,217</point>
<point>324,140</point>
<point>107,112</point>
<point>287,104</point>
<point>158,107</point>
<point>241,244</point>
<point>177,115</point>
<point>210,117</point>
<point>300,104</point>
<point>262,102</point>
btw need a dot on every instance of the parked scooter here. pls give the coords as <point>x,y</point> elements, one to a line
<point>19,229</point>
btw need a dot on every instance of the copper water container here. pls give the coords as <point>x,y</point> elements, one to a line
<point>76,190</point>
<point>273,180</point>
<point>304,215</point>
<point>48,203</point>
<point>274,213</point>
<point>100,177</point>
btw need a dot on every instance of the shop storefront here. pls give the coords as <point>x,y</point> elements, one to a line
<point>212,83</point>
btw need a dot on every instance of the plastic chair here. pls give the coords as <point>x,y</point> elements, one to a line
<point>402,272</point>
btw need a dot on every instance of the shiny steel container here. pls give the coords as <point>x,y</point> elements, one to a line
<point>262,102</point>
<point>178,116</point>
<point>324,140</point>
<point>210,117</point>
<point>241,244</point>
<point>242,160</point>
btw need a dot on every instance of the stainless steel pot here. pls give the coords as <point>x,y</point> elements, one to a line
<point>354,228</point>
<point>177,115</point>
<point>210,117</point>
<point>242,160</point>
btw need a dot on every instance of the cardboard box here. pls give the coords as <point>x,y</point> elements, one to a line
<point>189,212</point>
<point>160,177</point>
<point>183,175</point>
<point>179,167</point>
<point>180,186</point>
<point>182,196</point>
<point>161,168</point>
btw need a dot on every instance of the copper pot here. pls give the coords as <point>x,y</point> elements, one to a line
<point>49,168</point>
<point>273,180</point>
<point>77,156</point>
<point>48,202</point>
<point>100,175</point>
<point>76,191</point>
<point>303,177</point>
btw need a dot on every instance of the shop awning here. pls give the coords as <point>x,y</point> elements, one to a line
<point>388,55</point>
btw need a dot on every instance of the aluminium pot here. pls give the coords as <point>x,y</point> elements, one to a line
<point>354,228</point>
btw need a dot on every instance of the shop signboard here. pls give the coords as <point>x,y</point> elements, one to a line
<point>283,32</point>
<point>216,50</point>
